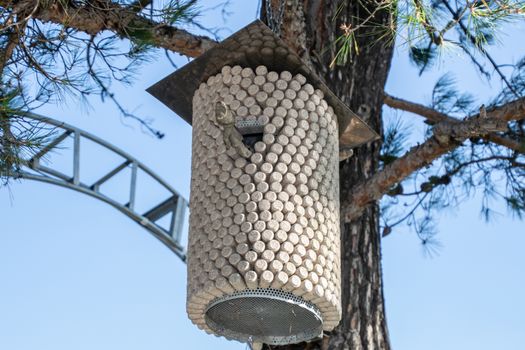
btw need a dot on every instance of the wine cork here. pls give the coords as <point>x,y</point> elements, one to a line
<point>226,271</point>
<point>239,219</point>
<point>235,70</point>
<point>281,112</point>
<point>273,224</point>
<point>271,102</point>
<point>288,178</point>
<point>270,195</point>
<point>259,247</point>
<point>251,279</point>
<point>242,248</point>
<point>257,158</point>
<point>294,282</point>
<point>259,80</point>
<point>281,168</point>
<point>288,131</point>
<point>276,187</point>
<point>247,73</point>
<point>270,129</point>
<point>213,254</point>
<point>250,169</point>
<point>252,217</point>
<point>281,236</point>
<point>260,70</point>
<point>296,260</point>
<point>224,285</point>
<point>226,70</point>
<point>241,237</point>
<point>263,187</point>
<point>261,97</point>
<point>266,279</point>
<point>251,256</point>
<point>251,206</point>
<point>265,216</point>
<point>242,111</point>
<point>260,147</point>
<point>302,272</point>
<point>237,281</point>
<point>285,226</point>
<point>285,158</point>
<point>275,265</point>
<point>252,90</point>
<point>287,103</point>
<point>283,196</point>
<point>244,197</point>
<point>234,259</point>
<point>268,88</point>
<point>236,191</point>
<point>267,236</point>
<point>286,76</point>
<point>254,236</point>
<point>272,76</point>
<point>287,247</point>
<point>278,121</point>
<point>268,255</point>
<point>280,279</point>
<point>278,95</point>
<point>259,225</point>
<point>269,140</point>
<point>234,106</point>
<point>290,94</point>
<point>259,177</point>
<point>245,83</point>
<point>293,238</point>
<point>261,265</point>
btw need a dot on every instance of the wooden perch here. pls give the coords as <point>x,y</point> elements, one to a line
<point>446,136</point>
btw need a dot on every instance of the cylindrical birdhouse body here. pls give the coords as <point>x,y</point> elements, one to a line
<point>264,240</point>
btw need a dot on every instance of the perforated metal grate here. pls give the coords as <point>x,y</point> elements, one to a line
<point>249,126</point>
<point>264,315</point>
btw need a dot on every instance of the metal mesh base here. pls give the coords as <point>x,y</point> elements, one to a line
<point>267,316</point>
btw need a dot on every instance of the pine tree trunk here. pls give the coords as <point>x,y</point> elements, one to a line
<point>309,27</point>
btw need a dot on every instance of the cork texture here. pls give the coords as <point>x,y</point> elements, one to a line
<point>270,220</point>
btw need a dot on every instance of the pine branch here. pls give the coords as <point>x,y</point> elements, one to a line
<point>435,117</point>
<point>94,17</point>
<point>471,38</point>
<point>12,41</point>
<point>139,5</point>
<point>446,137</point>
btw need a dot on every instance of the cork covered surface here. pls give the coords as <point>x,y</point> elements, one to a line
<point>270,220</point>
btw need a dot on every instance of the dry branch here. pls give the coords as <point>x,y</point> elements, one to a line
<point>435,117</point>
<point>98,16</point>
<point>447,136</point>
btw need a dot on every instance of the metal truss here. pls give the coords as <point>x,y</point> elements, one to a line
<point>175,204</point>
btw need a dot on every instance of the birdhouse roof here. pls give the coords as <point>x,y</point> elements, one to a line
<point>252,46</point>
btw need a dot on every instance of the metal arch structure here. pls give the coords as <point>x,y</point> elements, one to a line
<point>175,204</point>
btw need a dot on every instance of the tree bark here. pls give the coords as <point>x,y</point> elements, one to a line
<point>309,27</point>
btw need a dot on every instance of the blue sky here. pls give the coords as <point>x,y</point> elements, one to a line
<point>76,274</point>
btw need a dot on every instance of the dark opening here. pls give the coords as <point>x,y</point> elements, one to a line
<point>251,139</point>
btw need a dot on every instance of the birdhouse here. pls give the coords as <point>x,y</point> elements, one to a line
<point>264,238</point>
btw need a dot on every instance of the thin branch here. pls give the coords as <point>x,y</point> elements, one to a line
<point>139,5</point>
<point>481,49</point>
<point>447,136</point>
<point>116,18</point>
<point>435,117</point>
